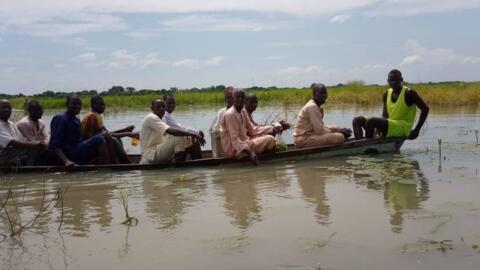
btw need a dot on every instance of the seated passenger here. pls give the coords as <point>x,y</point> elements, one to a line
<point>399,108</point>
<point>67,141</point>
<point>251,103</point>
<point>310,131</point>
<point>217,151</point>
<point>239,137</point>
<point>92,124</point>
<point>31,126</point>
<point>15,149</point>
<point>160,142</point>
<point>194,150</point>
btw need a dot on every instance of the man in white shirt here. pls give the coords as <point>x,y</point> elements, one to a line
<point>14,148</point>
<point>194,150</point>
<point>159,141</point>
<point>217,150</point>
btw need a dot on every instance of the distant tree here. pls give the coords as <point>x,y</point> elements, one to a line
<point>220,87</point>
<point>116,90</point>
<point>130,90</point>
<point>356,83</point>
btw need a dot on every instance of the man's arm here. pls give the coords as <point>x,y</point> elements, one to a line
<point>30,145</point>
<point>384,112</point>
<point>179,132</point>
<point>418,101</point>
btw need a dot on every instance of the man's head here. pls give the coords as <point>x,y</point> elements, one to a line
<point>74,104</point>
<point>319,92</point>
<point>170,104</point>
<point>5,109</point>
<point>395,79</point>
<point>238,99</point>
<point>97,104</point>
<point>251,102</point>
<point>228,96</point>
<point>35,110</point>
<point>158,107</point>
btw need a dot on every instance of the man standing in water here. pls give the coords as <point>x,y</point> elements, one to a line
<point>194,150</point>
<point>310,131</point>
<point>217,151</point>
<point>399,109</point>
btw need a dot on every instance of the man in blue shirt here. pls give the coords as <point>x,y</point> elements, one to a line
<point>67,141</point>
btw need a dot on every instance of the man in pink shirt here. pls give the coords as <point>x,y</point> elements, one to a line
<point>239,137</point>
<point>310,131</point>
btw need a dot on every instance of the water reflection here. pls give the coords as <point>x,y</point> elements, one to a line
<point>404,184</point>
<point>168,194</point>
<point>239,191</point>
<point>312,185</point>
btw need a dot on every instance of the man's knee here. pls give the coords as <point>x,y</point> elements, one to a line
<point>338,138</point>
<point>359,121</point>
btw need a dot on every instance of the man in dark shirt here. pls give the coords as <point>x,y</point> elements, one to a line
<point>67,141</point>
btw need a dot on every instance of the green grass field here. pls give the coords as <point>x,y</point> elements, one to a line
<point>458,93</point>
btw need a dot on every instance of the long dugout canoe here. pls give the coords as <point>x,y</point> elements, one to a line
<point>350,147</point>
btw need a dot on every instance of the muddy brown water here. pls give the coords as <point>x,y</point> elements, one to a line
<point>360,212</point>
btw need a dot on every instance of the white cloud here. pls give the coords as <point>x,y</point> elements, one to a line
<point>308,70</point>
<point>76,41</point>
<point>202,23</point>
<point>55,18</point>
<point>123,55</point>
<point>197,63</point>
<point>144,34</point>
<point>368,68</point>
<point>59,66</point>
<point>340,19</point>
<point>85,57</point>
<point>187,63</point>
<point>64,24</point>
<point>415,7</point>
<point>122,59</point>
<point>302,43</point>
<point>9,69</point>
<point>419,54</point>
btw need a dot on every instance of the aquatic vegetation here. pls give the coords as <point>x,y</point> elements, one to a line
<point>18,220</point>
<point>312,243</point>
<point>455,93</point>
<point>129,220</point>
<point>427,245</point>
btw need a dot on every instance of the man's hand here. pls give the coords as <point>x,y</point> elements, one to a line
<point>345,131</point>
<point>277,130</point>
<point>130,128</point>
<point>285,125</point>
<point>413,135</point>
<point>200,139</point>
<point>135,135</point>
<point>40,146</point>
<point>106,134</point>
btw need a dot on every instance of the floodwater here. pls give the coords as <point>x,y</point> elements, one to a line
<point>409,210</point>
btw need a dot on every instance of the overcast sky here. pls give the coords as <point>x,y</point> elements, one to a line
<point>92,44</point>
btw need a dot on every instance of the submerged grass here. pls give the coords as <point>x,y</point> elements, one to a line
<point>455,93</point>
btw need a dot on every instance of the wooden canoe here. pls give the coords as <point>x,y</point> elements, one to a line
<point>350,147</point>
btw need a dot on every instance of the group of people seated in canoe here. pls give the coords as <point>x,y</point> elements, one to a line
<point>233,133</point>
